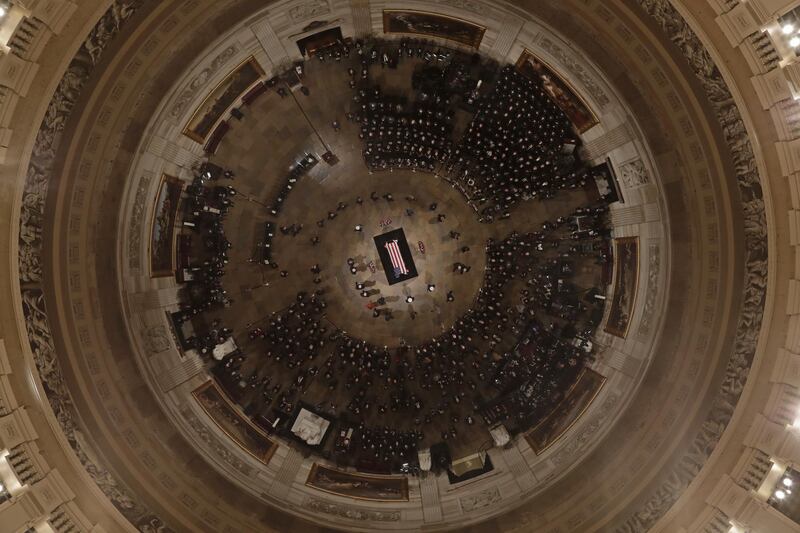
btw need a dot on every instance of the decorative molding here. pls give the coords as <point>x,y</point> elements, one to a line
<point>653,271</point>
<point>634,174</point>
<point>156,339</point>
<point>681,473</point>
<point>221,449</point>
<point>350,513</point>
<point>482,499</point>
<point>137,218</point>
<point>567,59</point>
<point>57,392</point>
<point>200,80</point>
<point>48,138</point>
<point>30,241</point>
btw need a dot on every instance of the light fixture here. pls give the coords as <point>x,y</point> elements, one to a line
<point>787,482</point>
<point>787,28</point>
<point>780,494</point>
<point>2,11</point>
<point>794,42</point>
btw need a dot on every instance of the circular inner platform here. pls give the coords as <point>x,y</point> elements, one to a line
<point>185,377</point>
<point>314,241</point>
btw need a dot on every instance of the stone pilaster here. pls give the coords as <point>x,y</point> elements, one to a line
<point>431,506</point>
<point>270,42</point>
<point>362,17</point>
<point>506,38</point>
<point>287,473</point>
<point>610,140</point>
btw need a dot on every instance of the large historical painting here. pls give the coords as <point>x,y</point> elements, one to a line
<point>235,425</point>
<point>356,485</point>
<point>559,90</point>
<point>162,227</point>
<point>567,412</point>
<point>221,98</point>
<point>435,25</point>
<point>626,277</point>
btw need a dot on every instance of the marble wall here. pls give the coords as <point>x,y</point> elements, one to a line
<point>274,34</point>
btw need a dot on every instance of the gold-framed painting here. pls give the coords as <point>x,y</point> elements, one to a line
<point>238,427</point>
<point>433,25</point>
<point>559,90</point>
<point>578,398</point>
<point>162,227</point>
<point>357,485</point>
<point>235,84</point>
<point>626,281</point>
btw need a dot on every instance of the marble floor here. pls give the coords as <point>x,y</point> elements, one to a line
<point>276,132</point>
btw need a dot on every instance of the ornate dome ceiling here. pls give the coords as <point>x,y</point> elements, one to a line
<point>680,416</point>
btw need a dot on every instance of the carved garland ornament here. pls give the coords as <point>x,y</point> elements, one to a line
<point>482,499</point>
<point>309,9</point>
<point>653,270</point>
<point>351,513</point>
<point>634,174</point>
<point>135,235</point>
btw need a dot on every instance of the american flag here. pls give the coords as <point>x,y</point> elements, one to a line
<point>397,259</point>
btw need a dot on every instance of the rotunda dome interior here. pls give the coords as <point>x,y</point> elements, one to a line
<point>464,265</point>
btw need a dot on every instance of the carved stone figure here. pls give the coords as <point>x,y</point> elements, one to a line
<point>351,513</point>
<point>220,449</point>
<point>484,498</point>
<point>576,442</point>
<point>309,9</point>
<point>634,174</point>
<point>156,339</point>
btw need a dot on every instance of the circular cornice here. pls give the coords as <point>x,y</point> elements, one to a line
<point>145,322</point>
<point>708,233</point>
